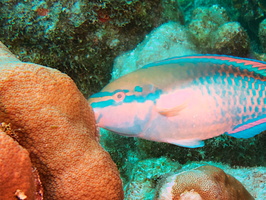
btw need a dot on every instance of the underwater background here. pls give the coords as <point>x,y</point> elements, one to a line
<point>97,41</point>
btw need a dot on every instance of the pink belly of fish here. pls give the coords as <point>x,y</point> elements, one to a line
<point>200,119</point>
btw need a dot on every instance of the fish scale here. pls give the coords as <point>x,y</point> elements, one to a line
<point>185,100</point>
<point>237,102</point>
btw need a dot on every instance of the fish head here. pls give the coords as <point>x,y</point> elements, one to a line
<point>124,107</point>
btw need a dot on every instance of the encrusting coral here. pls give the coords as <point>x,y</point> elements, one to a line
<point>206,182</point>
<point>262,34</point>
<point>19,180</point>
<point>54,122</point>
<point>212,31</point>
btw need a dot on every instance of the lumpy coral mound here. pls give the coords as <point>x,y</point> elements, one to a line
<point>54,122</point>
<point>19,180</point>
<point>205,182</point>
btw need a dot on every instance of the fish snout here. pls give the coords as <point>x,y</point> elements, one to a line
<point>95,111</point>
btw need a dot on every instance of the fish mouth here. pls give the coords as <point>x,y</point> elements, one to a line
<point>97,116</point>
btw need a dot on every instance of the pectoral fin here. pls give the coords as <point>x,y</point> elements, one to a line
<point>172,111</point>
<point>172,103</point>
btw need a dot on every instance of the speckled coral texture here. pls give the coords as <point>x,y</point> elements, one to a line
<point>17,175</point>
<point>55,124</point>
<point>205,183</point>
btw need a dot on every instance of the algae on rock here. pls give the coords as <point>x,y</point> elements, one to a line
<point>79,38</point>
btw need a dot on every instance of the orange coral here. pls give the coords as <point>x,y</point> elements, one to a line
<point>42,11</point>
<point>18,179</point>
<point>205,182</point>
<point>56,125</point>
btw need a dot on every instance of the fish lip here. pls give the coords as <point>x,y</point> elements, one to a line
<point>97,116</point>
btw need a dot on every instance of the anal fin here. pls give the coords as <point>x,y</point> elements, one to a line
<point>249,129</point>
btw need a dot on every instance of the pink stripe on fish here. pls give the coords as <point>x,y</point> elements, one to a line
<point>247,126</point>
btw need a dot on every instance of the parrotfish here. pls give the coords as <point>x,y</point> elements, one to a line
<point>185,100</point>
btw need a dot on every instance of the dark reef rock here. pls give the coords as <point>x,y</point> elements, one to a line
<point>80,38</point>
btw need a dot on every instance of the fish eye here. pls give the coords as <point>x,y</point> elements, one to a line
<point>119,96</point>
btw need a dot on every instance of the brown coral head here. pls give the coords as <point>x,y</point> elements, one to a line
<point>206,182</point>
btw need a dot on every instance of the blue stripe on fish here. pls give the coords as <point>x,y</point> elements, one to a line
<point>102,104</point>
<point>141,99</point>
<point>138,89</point>
<point>128,98</point>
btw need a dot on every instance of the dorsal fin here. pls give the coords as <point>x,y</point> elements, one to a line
<point>256,66</point>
